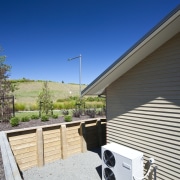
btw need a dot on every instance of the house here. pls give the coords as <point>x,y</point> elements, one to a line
<point>142,90</point>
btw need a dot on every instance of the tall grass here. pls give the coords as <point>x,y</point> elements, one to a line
<point>27,94</point>
<point>58,105</point>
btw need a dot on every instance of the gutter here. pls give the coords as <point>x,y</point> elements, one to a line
<point>138,43</point>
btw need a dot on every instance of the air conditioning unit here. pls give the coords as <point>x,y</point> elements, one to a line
<point>120,162</point>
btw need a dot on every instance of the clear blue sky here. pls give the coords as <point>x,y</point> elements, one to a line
<point>38,36</point>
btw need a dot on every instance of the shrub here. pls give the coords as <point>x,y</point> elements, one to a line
<point>65,112</point>
<point>20,106</point>
<point>25,119</point>
<point>14,121</point>
<point>45,118</point>
<point>54,116</point>
<point>33,107</point>
<point>69,105</point>
<point>91,113</point>
<point>77,113</point>
<point>34,116</point>
<point>68,118</point>
<point>57,105</point>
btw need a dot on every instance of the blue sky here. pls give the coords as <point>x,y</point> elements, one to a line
<point>38,36</point>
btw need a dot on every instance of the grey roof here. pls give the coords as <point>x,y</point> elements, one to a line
<point>162,32</point>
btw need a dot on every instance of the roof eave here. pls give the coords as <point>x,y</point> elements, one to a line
<point>164,31</point>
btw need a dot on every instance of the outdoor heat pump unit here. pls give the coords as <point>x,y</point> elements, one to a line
<point>121,163</point>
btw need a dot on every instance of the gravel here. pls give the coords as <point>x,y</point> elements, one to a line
<point>83,166</point>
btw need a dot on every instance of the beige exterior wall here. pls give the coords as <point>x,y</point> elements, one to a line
<point>143,109</point>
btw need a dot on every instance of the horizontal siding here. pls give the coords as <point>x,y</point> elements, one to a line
<point>143,109</point>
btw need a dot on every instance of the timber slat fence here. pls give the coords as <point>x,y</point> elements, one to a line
<point>37,146</point>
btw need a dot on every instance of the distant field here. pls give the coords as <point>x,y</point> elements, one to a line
<point>28,92</point>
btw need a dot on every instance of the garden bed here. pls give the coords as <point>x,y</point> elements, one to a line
<point>4,126</point>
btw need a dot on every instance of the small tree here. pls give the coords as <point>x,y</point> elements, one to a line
<point>45,99</point>
<point>5,91</point>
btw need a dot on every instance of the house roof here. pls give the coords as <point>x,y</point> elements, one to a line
<point>156,37</point>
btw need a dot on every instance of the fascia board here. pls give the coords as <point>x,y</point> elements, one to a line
<point>152,42</point>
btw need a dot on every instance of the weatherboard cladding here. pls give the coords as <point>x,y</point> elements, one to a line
<point>143,109</point>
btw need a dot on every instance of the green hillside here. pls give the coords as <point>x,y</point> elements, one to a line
<point>28,92</point>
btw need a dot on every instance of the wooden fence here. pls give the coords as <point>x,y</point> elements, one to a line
<point>37,146</point>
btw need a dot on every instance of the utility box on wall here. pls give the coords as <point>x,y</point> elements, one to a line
<point>121,163</point>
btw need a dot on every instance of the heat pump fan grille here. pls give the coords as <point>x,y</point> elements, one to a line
<point>109,158</point>
<point>108,174</point>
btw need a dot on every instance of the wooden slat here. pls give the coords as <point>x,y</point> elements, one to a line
<point>77,138</point>
<point>52,153</point>
<point>53,135</point>
<point>74,143</point>
<point>26,160</point>
<point>31,144</point>
<point>27,165</point>
<point>50,144</point>
<point>52,158</point>
<point>22,141</point>
<point>54,131</point>
<point>26,155</point>
<point>52,140</point>
<point>25,136</point>
<point>24,150</point>
<point>74,151</point>
<point>52,148</point>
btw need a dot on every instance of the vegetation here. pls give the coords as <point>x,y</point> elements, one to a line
<point>68,118</point>
<point>34,116</point>
<point>54,116</point>
<point>25,119</point>
<point>27,92</point>
<point>45,100</point>
<point>45,118</point>
<point>27,101</point>
<point>14,121</point>
<point>6,101</point>
<point>41,97</point>
<point>26,95</point>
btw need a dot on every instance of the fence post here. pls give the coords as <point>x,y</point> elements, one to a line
<point>99,131</point>
<point>83,137</point>
<point>40,149</point>
<point>13,106</point>
<point>63,141</point>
